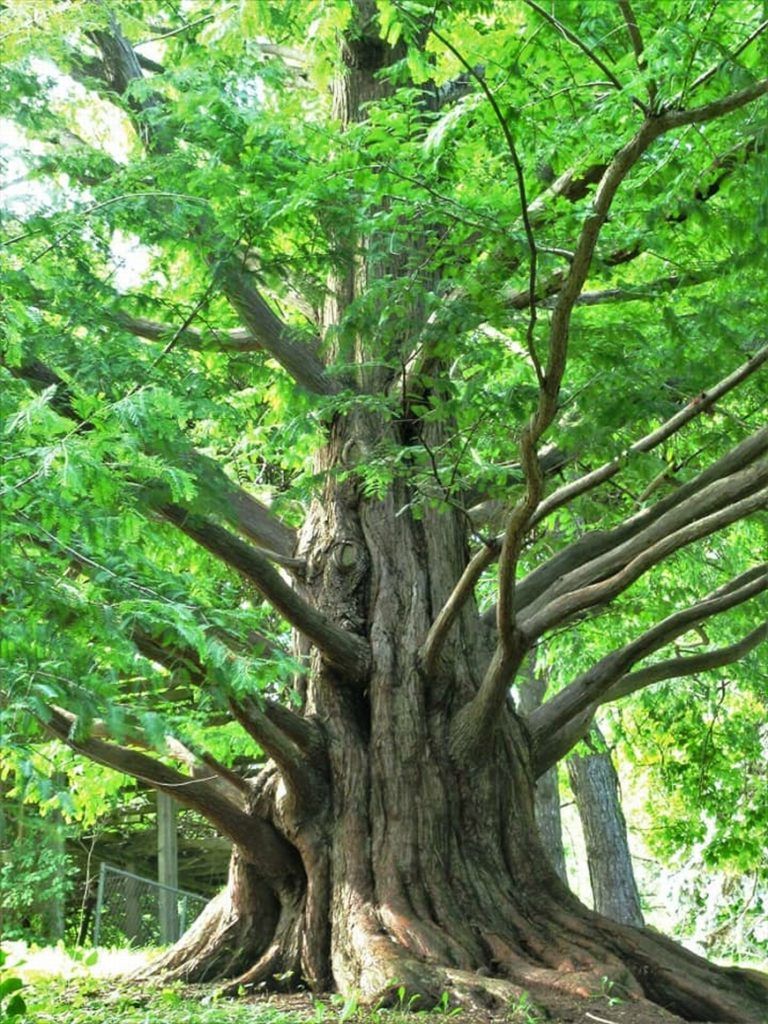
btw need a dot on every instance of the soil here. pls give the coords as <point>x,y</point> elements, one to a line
<point>562,1010</point>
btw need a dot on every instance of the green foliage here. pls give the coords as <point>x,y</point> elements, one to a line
<point>130,206</point>
<point>12,1003</point>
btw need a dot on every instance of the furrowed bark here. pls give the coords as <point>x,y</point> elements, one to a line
<point>587,690</point>
<point>415,865</point>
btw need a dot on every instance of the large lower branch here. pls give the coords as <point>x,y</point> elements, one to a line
<point>551,748</point>
<point>568,290</point>
<point>599,581</point>
<point>674,668</point>
<point>345,651</point>
<point>201,766</point>
<point>594,686</point>
<point>276,858</point>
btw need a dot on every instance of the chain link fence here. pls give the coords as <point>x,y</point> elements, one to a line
<point>139,911</point>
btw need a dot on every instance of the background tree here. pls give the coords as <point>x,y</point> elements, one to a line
<point>380,275</point>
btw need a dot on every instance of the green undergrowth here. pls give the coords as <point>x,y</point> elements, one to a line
<point>57,985</point>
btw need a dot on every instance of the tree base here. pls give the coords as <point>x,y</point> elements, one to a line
<point>640,969</point>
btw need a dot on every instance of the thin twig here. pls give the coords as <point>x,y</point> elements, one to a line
<point>523,199</point>
<point>573,38</point>
<point>706,75</point>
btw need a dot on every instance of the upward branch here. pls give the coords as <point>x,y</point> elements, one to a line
<point>296,355</point>
<point>603,681</point>
<point>480,714</point>
<point>569,492</point>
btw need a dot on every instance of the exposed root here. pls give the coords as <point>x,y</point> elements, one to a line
<point>229,935</point>
<point>279,967</point>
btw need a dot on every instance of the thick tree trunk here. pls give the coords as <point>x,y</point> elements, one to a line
<point>418,872</point>
<point>595,786</point>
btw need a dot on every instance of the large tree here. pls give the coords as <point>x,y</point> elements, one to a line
<point>419,312</point>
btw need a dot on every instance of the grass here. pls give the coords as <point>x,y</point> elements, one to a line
<point>84,987</point>
<point>64,986</point>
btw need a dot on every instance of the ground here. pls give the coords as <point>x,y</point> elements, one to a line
<point>64,988</point>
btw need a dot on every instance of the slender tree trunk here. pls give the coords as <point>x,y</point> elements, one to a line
<point>595,786</point>
<point>533,686</point>
<point>167,867</point>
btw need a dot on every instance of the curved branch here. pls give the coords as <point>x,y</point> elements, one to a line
<point>304,732</point>
<point>565,494</point>
<point>285,731</point>
<point>296,356</point>
<point>494,685</point>
<point>650,290</point>
<point>589,586</point>
<point>598,553</point>
<point>552,749</point>
<point>345,651</point>
<point>200,765</point>
<point>597,542</point>
<point>690,666</point>
<point>574,185</point>
<point>260,842</point>
<point>591,688</point>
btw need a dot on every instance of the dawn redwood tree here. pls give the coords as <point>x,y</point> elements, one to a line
<point>398,283</point>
